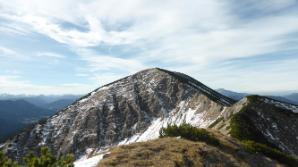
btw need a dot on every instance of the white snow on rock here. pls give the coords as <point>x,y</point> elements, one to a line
<point>92,161</point>
<point>184,115</point>
<point>286,106</point>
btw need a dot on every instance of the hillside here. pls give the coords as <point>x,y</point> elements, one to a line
<point>18,114</point>
<point>293,97</point>
<point>58,104</point>
<point>173,152</point>
<point>263,120</point>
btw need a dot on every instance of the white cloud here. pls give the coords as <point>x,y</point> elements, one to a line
<point>108,63</point>
<point>186,35</point>
<point>7,52</point>
<point>145,20</point>
<point>104,68</point>
<point>50,55</point>
<point>15,85</point>
<point>11,54</point>
<point>199,30</point>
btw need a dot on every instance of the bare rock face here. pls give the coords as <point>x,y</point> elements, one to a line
<point>128,110</point>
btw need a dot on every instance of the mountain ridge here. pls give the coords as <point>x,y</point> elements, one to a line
<point>291,98</point>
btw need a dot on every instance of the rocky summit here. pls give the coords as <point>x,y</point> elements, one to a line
<point>135,108</point>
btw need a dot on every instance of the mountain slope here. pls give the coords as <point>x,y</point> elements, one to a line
<point>174,152</point>
<point>263,120</point>
<point>59,104</point>
<point>293,97</point>
<point>17,114</point>
<point>128,110</point>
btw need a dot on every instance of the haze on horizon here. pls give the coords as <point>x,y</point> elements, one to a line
<point>73,47</point>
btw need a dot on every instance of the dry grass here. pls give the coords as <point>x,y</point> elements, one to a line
<point>172,152</point>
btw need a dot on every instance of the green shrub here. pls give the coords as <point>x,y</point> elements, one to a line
<point>254,147</point>
<point>243,129</point>
<point>47,159</point>
<point>189,132</point>
<point>6,162</point>
<point>44,159</point>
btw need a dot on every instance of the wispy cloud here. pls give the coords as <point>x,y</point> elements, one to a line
<point>6,52</point>
<point>16,85</point>
<point>115,38</point>
<point>50,55</point>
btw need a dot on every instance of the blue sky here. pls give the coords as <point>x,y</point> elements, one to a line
<point>73,47</point>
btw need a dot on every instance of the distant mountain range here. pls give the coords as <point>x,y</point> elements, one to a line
<point>43,101</point>
<point>19,112</point>
<point>291,98</point>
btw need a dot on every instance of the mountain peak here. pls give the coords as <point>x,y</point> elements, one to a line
<point>125,111</point>
<point>156,75</point>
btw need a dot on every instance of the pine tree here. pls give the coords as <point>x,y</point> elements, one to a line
<point>46,159</point>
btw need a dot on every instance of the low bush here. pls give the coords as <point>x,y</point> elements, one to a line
<point>252,140</point>
<point>189,132</point>
<point>6,162</point>
<point>43,159</point>
<point>275,154</point>
<point>242,128</point>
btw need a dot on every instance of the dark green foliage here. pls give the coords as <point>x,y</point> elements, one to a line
<point>243,129</point>
<point>47,159</point>
<point>254,147</point>
<point>44,159</point>
<point>253,98</point>
<point>189,132</point>
<point>6,162</point>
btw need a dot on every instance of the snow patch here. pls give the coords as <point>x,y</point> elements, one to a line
<point>184,115</point>
<point>92,161</point>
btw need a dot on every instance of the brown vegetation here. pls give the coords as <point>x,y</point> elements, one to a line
<point>174,152</point>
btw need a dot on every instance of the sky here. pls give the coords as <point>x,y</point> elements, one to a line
<point>73,47</point>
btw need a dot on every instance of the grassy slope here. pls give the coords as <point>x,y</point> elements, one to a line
<point>173,152</point>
